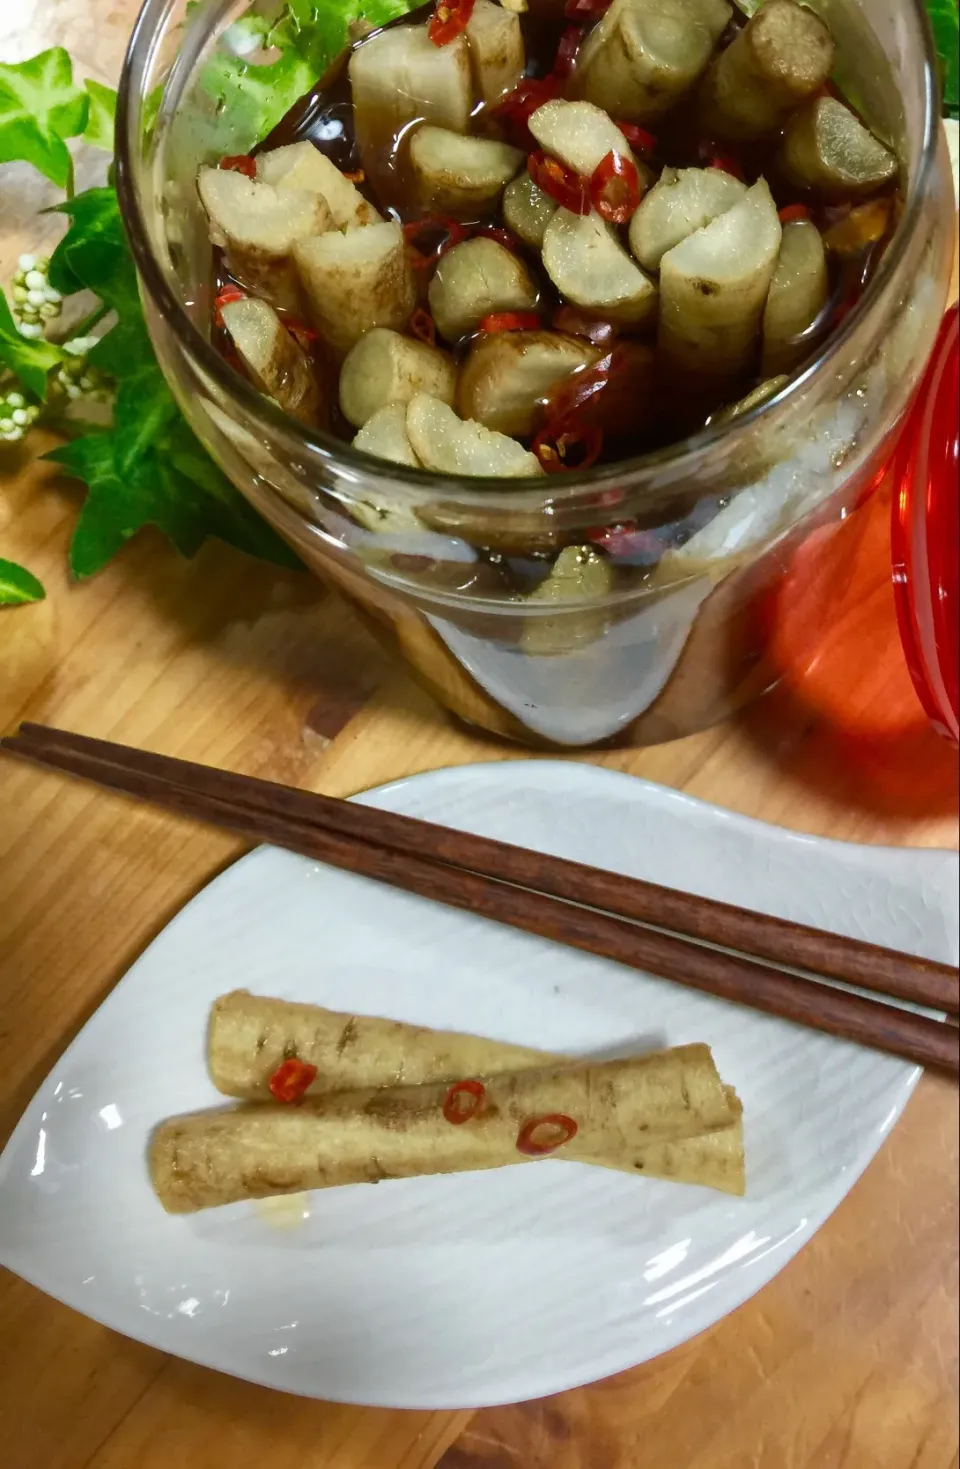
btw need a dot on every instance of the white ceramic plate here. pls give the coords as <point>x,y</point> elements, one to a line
<point>487,1287</point>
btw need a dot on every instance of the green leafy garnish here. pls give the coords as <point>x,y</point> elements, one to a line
<point>148,469</point>
<point>17,585</point>
<point>101,115</point>
<point>40,106</point>
<point>252,98</point>
<point>30,361</point>
<point>946,36</point>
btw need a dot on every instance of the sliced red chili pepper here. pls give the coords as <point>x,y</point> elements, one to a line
<point>228,295</point>
<point>567,447</point>
<point>448,20</point>
<point>570,43</point>
<point>571,319</point>
<point>423,326</point>
<point>432,237</point>
<point>240,163</point>
<point>793,212</point>
<point>639,139</point>
<point>726,163</point>
<point>463,1101</point>
<point>356,177</point>
<point>518,106</point>
<point>502,237</point>
<point>584,10</point>
<point>510,321</point>
<point>615,188</point>
<point>616,395</point>
<point>304,335</point>
<point>560,182</point>
<point>291,1079</point>
<point>542,1135</point>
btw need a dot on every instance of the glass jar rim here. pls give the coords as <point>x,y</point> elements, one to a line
<point>556,491</point>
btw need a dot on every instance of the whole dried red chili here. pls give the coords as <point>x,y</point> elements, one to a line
<point>559,1129</point>
<point>463,1101</point>
<point>560,182</point>
<point>792,213</point>
<point>227,296</point>
<point>510,321</point>
<point>240,163</point>
<point>615,188</point>
<point>639,139</point>
<point>449,18</point>
<point>423,327</point>
<point>567,447</point>
<point>432,237</point>
<point>570,43</point>
<point>291,1079</point>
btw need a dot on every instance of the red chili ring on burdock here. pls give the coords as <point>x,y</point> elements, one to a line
<point>449,18</point>
<point>568,188</point>
<point>793,212</point>
<point>639,139</point>
<point>418,232</point>
<point>291,1079</point>
<point>558,1122</point>
<point>615,188</point>
<point>226,298</point>
<point>473,1092</point>
<point>555,446</point>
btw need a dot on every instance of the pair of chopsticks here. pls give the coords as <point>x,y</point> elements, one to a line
<point>584,907</point>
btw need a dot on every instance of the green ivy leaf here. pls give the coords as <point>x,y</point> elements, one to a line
<point>149,468</point>
<point>101,115</point>
<point>30,361</point>
<point>40,106</point>
<point>17,585</point>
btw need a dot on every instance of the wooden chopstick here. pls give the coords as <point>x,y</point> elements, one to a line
<point>914,1037</point>
<point>797,946</point>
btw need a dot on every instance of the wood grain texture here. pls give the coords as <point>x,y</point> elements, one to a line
<point>846,1361</point>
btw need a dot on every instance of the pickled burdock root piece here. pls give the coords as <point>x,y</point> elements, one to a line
<point>579,574</point>
<point>496,50</point>
<point>579,134</point>
<point>257,228</point>
<point>826,149</point>
<point>356,281</point>
<point>505,377</point>
<point>385,436</point>
<point>682,201</point>
<point>713,287</point>
<point>276,363</point>
<point>400,76</point>
<point>475,279</point>
<point>798,293</point>
<point>615,1109</point>
<point>445,443</point>
<point>302,166</point>
<point>588,265</point>
<point>527,210</point>
<point>645,54</point>
<point>781,57</point>
<point>385,367</point>
<point>460,175</point>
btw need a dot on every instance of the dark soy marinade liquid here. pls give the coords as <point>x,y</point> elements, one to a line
<point>324,117</point>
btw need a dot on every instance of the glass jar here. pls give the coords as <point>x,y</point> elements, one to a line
<point>498,597</point>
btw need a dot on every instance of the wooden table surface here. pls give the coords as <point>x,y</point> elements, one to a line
<point>847,1360</point>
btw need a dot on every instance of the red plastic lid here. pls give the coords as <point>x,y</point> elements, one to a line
<point>925,534</point>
